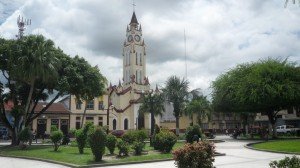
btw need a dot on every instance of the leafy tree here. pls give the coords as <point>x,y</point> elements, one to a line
<point>199,106</point>
<point>267,86</point>
<point>176,91</point>
<point>34,69</point>
<point>153,103</point>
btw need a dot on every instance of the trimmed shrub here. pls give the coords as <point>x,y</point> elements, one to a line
<point>81,140</point>
<point>195,155</point>
<point>136,135</point>
<point>287,162</point>
<point>24,137</point>
<point>123,147</point>
<point>56,137</point>
<point>97,141</point>
<point>165,140</point>
<point>111,143</point>
<point>191,132</point>
<point>53,128</point>
<point>138,147</point>
<point>65,140</point>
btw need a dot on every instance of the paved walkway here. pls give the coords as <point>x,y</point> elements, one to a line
<point>237,156</point>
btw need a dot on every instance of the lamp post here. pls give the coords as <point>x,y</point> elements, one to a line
<point>107,117</point>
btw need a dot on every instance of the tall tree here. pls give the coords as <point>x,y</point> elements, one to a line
<point>267,86</point>
<point>176,92</point>
<point>152,103</point>
<point>52,73</point>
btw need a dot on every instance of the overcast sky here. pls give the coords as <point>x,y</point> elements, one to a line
<point>219,33</point>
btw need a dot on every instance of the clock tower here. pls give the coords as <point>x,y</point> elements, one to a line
<point>134,55</point>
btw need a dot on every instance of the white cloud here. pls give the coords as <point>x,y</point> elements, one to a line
<point>220,34</point>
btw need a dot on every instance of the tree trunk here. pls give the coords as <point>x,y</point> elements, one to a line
<point>152,128</point>
<point>29,97</point>
<point>272,119</point>
<point>83,115</point>
<point>177,125</point>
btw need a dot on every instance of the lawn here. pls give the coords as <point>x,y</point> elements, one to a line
<point>69,154</point>
<point>292,146</point>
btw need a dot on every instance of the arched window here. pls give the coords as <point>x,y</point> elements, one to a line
<point>126,124</point>
<point>141,60</point>
<point>136,58</point>
<point>114,124</point>
<point>129,58</point>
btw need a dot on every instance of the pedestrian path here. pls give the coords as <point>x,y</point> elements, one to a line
<point>237,156</point>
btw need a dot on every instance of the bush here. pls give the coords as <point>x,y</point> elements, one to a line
<point>56,137</point>
<point>53,128</point>
<point>287,162</point>
<point>138,147</point>
<point>65,140</point>
<point>136,135</point>
<point>195,155</point>
<point>97,141</point>
<point>111,143</point>
<point>24,137</point>
<point>156,129</point>
<point>82,136</point>
<point>81,140</point>
<point>192,131</point>
<point>164,141</point>
<point>123,147</point>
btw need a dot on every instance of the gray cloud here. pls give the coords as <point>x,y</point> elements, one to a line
<point>220,34</point>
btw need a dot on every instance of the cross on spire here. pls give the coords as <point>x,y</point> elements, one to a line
<point>133,5</point>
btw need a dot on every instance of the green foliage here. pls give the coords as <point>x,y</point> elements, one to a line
<point>42,68</point>
<point>138,147</point>
<point>195,155</point>
<point>123,147</point>
<point>191,131</point>
<point>287,162</point>
<point>111,143</point>
<point>65,140</point>
<point>56,137</point>
<point>176,91</point>
<point>165,140</point>
<point>199,106</point>
<point>81,138</point>
<point>134,135</point>
<point>97,141</point>
<point>24,137</point>
<point>53,128</point>
<point>266,86</point>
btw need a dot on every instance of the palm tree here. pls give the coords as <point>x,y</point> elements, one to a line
<point>153,103</point>
<point>36,62</point>
<point>200,106</point>
<point>176,91</point>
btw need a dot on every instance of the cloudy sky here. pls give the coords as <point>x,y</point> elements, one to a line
<point>219,33</point>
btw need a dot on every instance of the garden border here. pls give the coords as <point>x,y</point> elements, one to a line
<point>250,146</point>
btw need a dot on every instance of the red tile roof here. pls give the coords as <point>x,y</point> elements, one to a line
<point>54,108</point>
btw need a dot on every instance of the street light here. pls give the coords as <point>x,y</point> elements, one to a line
<point>107,115</point>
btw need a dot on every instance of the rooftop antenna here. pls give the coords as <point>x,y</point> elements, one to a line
<point>21,24</point>
<point>185,54</point>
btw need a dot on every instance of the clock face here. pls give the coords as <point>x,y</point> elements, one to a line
<point>130,38</point>
<point>137,38</point>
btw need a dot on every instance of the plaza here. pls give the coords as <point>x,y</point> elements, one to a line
<point>236,156</point>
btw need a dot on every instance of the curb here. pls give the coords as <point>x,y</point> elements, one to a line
<point>250,146</point>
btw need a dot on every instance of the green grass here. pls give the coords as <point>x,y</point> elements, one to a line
<point>280,146</point>
<point>70,154</point>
